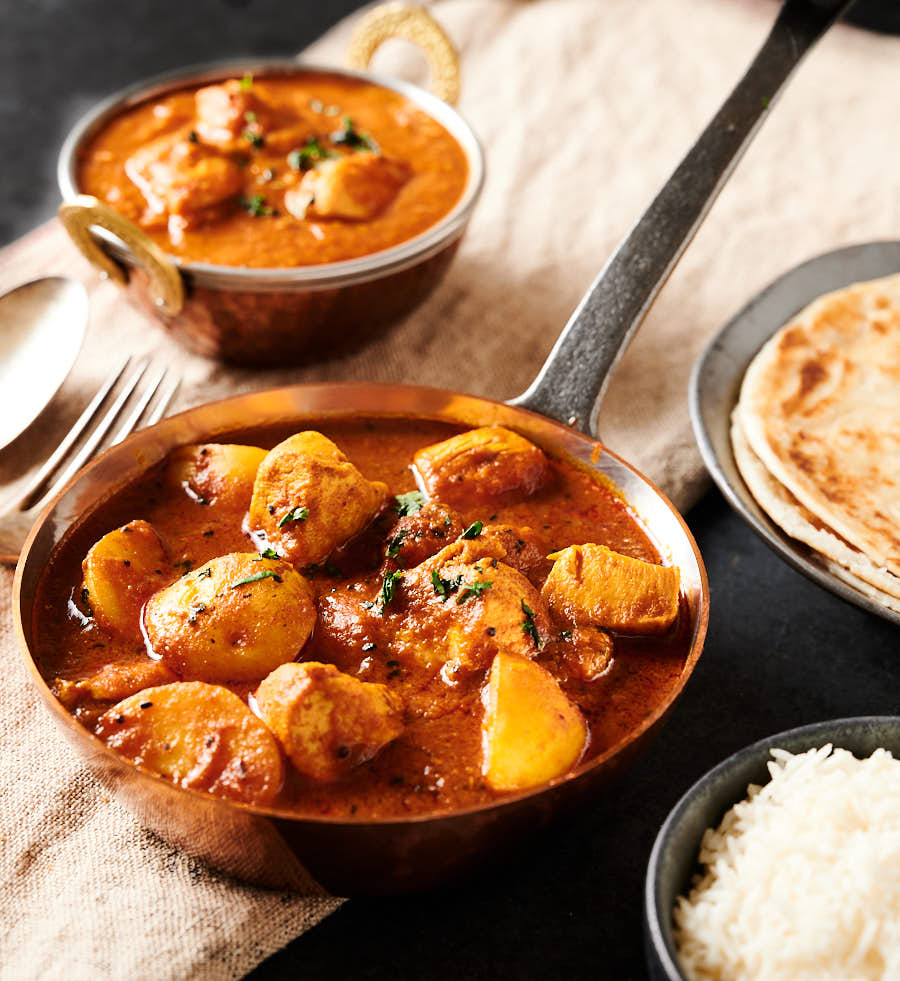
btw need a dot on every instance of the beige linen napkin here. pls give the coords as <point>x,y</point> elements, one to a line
<point>584,108</point>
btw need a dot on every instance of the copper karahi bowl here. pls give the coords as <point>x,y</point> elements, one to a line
<point>266,316</point>
<point>275,847</point>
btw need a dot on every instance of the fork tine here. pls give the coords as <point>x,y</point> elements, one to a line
<point>93,441</point>
<point>134,416</point>
<point>163,403</point>
<point>58,455</point>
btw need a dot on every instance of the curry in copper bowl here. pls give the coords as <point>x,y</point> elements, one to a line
<point>269,212</point>
<point>276,170</point>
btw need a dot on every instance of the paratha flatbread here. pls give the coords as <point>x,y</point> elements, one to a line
<point>838,557</point>
<point>820,407</point>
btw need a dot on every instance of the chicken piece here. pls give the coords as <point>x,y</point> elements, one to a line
<point>198,736</point>
<point>463,605</point>
<point>113,682</point>
<point>532,733</point>
<point>183,179</point>
<point>215,473</point>
<point>588,653</point>
<point>356,186</point>
<point>351,628</point>
<point>481,466</point>
<point>592,584</point>
<point>524,550</point>
<point>234,619</point>
<point>233,117</point>
<point>226,112</point>
<point>327,722</point>
<point>418,536</point>
<point>308,498</point>
<point>121,572</point>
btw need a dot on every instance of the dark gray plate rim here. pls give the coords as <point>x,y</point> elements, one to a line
<point>673,858</point>
<point>716,380</point>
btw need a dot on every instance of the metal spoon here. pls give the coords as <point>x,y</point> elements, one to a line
<point>42,327</point>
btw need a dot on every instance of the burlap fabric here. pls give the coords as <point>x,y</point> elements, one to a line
<point>584,108</point>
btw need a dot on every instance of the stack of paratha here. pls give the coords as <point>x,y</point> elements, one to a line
<point>816,433</point>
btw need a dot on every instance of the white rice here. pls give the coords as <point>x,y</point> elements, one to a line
<point>802,879</point>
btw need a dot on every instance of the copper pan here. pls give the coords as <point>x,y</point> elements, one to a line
<point>275,848</point>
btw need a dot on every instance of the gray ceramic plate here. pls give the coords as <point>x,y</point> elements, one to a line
<point>673,859</point>
<point>716,382</point>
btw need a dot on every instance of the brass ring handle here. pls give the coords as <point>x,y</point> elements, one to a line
<point>79,214</point>
<point>401,20</point>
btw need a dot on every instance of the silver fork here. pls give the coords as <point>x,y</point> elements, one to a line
<point>70,456</point>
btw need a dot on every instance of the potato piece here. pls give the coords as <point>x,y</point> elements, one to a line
<point>357,186</point>
<point>234,619</point>
<point>593,584</point>
<point>113,682</point>
<point>121,572</point>
<point>216,473</point>
<point>198,736</point>
<point>531,731</point>
<point>308,498</point>
<point>481,466</point>
<point>327,721</point>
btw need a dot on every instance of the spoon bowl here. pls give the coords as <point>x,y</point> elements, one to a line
<point>42,327</point>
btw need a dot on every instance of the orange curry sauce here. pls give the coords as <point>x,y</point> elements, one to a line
<point>251,226</point>
<point>435,765</point>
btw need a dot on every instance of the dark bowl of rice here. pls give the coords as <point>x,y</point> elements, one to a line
<point>686,940</point>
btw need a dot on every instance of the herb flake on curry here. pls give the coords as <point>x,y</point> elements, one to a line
<point>277,170</point>
<point>459,655</point>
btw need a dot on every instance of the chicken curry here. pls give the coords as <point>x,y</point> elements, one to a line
<point>276,171</point>
<point>375,617</point>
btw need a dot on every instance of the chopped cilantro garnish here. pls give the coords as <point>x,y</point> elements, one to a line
<point>256,205</point>
<point>254,138</point>
<point>269,553</point>
<point>247,83</point>
<point>192,137</point>
<point>410,502</point>
<point>565,634</point>
<point>308,155</point>
<point>444,587</point>
<point>298,513</point>
<point>387,588</point>
<point>473,531</point>
<point>395,544</point>
<point>349,136</point>
<point>250,117</point>
<point>529,626</point>
<point>265,574</point>
<point>475,589</point>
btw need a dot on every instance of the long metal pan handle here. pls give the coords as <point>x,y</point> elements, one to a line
<point>572,380</point>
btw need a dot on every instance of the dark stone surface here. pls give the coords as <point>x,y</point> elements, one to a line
<point>780,653</point>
